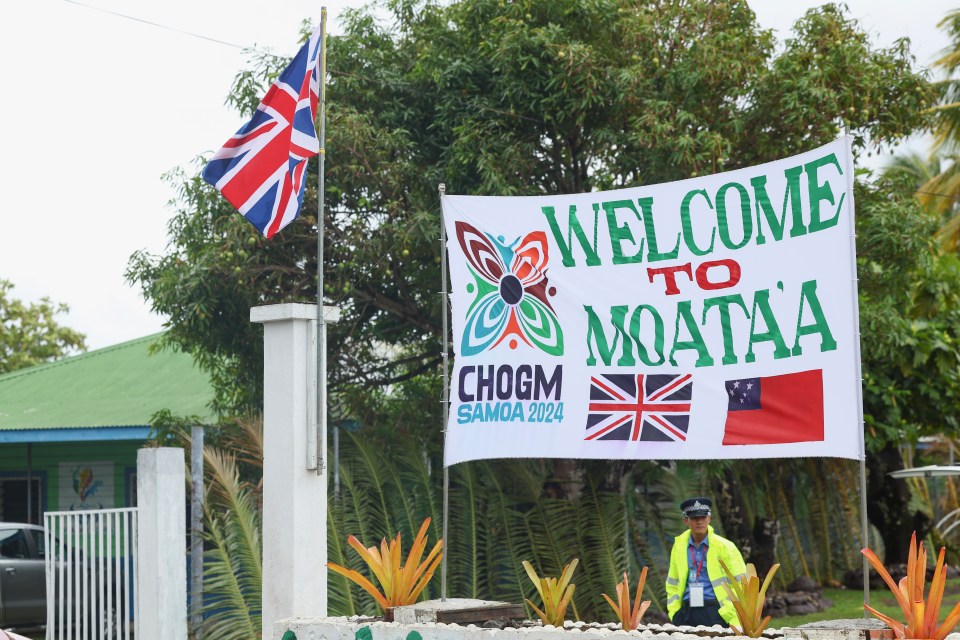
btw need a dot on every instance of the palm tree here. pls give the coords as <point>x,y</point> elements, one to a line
<point>936,179</point>
<point>940,192</point>
<point>917,168</point>
<point>947,131</point>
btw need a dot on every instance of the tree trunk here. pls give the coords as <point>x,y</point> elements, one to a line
<point>766,532</point>
<point>733,514</point>
<point>888,502</point>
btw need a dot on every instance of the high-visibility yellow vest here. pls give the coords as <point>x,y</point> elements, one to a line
<point>719,548</point>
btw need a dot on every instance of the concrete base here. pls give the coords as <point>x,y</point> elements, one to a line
<point>365,628</point>
<point>457,610</point>
<point>852,629</point>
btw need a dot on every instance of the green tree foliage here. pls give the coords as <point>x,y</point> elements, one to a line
<point>938,179</point>
<point>30,333</point>
<point>496,97</point>
<point>909,319</point>
<point>523,98</point>
<point>910,345</point>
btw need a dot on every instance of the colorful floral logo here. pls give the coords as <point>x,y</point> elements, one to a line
<point>84,484</point>
<point>511,302</point>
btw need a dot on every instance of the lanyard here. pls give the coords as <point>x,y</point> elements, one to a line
<point>693,561</point>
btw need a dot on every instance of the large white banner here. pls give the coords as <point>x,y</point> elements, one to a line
<point>713,317</point>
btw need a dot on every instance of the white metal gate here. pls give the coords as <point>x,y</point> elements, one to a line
<point>91,570</point>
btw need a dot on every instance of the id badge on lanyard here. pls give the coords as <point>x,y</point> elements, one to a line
<point>696,595</point>
<point>696,589</point>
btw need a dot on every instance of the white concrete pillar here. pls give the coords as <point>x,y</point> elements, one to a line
<point>161,545</point>
<point>294,496</point>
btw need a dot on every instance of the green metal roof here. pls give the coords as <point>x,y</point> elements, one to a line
<point>118,386</point>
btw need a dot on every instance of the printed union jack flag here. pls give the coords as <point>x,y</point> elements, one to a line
<point>636,406</point>
<point>261,170</point>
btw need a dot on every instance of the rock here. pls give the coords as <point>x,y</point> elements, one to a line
<point>800,597</point>
<point>779,604</point>
<point>802,609</point>
<point>853,579</point>
<point>803,583</point>
<point>500,623</point>
<point>654,616</point>
<point>897,571</point>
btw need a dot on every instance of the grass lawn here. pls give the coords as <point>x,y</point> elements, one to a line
<point>848,603</point>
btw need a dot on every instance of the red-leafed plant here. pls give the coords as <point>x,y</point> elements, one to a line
<point>629,616</point>
<point>921,613</point>
<point>401,584</point>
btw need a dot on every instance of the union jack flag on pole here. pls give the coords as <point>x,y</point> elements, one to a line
<point>261,170</point>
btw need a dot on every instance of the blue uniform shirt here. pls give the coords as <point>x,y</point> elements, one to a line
<point>697,557</point>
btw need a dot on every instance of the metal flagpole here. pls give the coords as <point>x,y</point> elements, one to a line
<point>864,522</point>
<point>321,329</point>
<point>197,495</point>
<point>442,188</point>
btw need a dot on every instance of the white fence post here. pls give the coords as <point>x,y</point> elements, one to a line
<point>162,544</point>
<point>294,497</point>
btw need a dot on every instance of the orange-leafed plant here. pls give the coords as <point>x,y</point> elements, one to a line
<point>748,597</point>
<point>921,614</point>
<point>629,616</point>
<point>556,593</point>
<point>401,584</point>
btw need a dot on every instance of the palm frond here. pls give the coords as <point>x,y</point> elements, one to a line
<point>467,532</point>
<point>601,527</point>
<point>355,516</point>
<point>340,601</point>
<point>370,476</point>
<point>552,524</point>
<point>235,501</point>
<point>507,545</point>
<point>231,611</point>
<point>233,566</point>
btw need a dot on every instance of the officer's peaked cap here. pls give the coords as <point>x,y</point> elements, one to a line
<point>696,507</point>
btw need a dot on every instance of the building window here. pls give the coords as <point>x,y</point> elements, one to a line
<point>13,499</point>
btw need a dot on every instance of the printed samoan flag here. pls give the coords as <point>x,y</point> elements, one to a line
<point>636,406</point>
<point>775,409</point>
<point>261,170</point>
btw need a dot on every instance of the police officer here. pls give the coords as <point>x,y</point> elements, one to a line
<point>696,591</point>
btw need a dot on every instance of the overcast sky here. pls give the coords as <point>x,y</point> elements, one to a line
<point>97,107</point>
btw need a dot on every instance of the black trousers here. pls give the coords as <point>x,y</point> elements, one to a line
<point>708,614</point>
